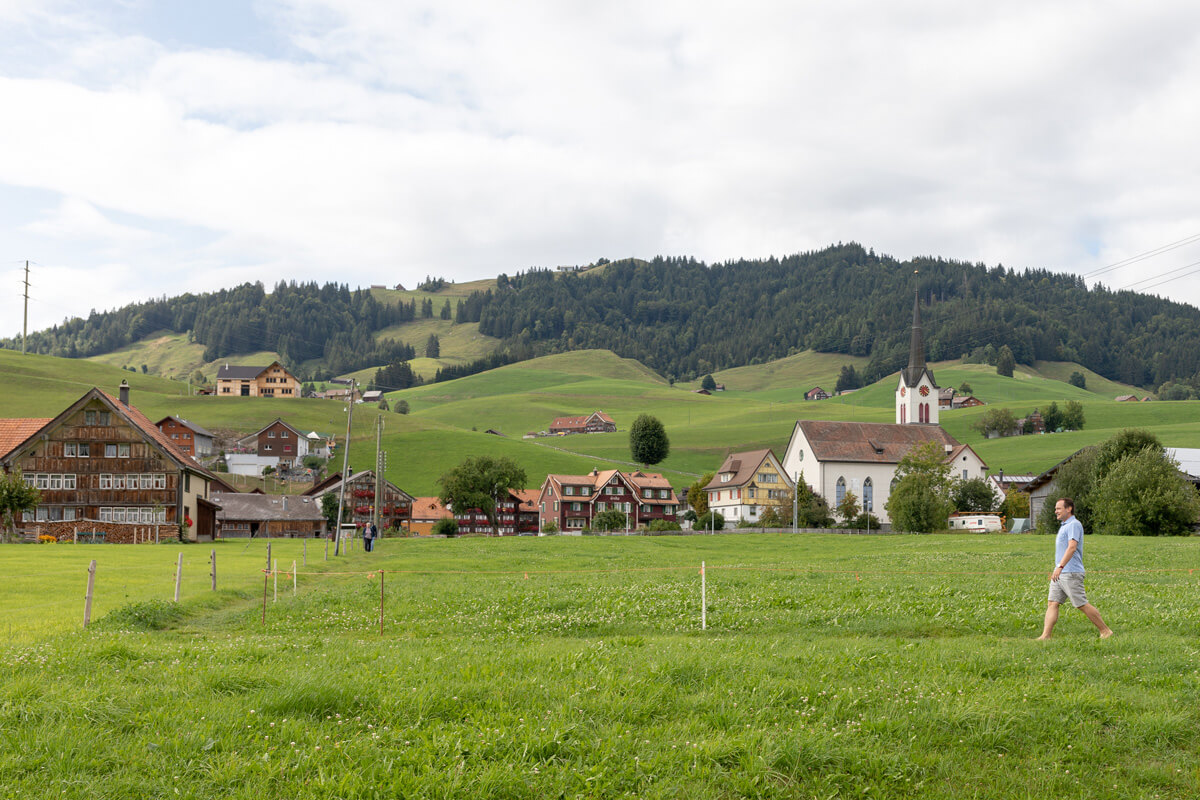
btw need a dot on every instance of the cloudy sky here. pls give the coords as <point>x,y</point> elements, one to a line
<point>151,148</point>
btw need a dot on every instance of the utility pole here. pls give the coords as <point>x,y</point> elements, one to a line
<point>25,327</point>
<point>380,465</point>
<point>337,542</point>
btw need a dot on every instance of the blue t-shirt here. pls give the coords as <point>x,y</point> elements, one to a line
<point>1068,530</point>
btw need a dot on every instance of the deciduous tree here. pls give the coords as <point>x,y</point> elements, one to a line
<point>696,496</point>
<point>1001,421</point>
<point>1072,419</point>
<point>16,497</point>
<point>972,495</point>
<point>480,482</point>
<point>1143,494</point>
<point>611,520</point>
<point>921,500</point>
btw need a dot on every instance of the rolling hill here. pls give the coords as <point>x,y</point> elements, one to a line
<point>449,420</point>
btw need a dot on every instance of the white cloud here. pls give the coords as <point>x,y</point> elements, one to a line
<point>386,141</point>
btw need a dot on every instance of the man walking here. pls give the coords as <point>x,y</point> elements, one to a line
<point>1066,580</point>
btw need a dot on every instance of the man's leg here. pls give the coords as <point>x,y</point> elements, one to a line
<point>1051,618</point>
<point>1093,613</point>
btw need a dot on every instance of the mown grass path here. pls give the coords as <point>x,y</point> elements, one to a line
<point>886,666</point>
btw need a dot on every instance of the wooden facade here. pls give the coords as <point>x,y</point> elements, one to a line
<point>395,504</point>
<point>269,381</point>
<point>101,461</point>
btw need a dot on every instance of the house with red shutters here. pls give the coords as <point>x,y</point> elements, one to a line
<point>572,501</point>
<point>516,513</point>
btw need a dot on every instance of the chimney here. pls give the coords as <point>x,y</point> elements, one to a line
<point>125,393</point>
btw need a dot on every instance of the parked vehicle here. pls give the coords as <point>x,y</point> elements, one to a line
<point>976,523</point>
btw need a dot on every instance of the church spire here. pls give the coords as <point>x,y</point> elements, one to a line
<point>916,347</point>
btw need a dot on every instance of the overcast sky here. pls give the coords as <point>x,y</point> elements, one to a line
<point>151,148</point>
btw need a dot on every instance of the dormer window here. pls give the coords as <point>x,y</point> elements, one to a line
<point>726,477</point>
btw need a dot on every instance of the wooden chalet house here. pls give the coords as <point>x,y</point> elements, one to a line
<point>278,440</point>
<point>596,422</point>
<point>572,501</point>
<point>187,436</point>
<point>104,469</point>
<point>269,381</point>
<point>395,504</point>
<point>816,393</point>
<point>515,514</point>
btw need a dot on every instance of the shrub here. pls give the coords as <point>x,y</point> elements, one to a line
<point>710,520</point>
<point>663,525</point>
<point>445,527</point>
<point>550,526</point>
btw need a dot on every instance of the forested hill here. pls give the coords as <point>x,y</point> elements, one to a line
<point>684,318</point>
<point>301,322</point>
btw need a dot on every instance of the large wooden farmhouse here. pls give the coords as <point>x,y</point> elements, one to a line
<point>269,381</point>
<point>596,422</point>
<point>103,468</point>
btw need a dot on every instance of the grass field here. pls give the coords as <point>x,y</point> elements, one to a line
<point>897,666</point>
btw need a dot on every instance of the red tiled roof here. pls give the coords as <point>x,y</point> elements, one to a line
<point>428,508</point>
<point>15,431</point>
<point>871,442</point>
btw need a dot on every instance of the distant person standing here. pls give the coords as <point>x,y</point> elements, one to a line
<point>1066,579</point>
<point>366,534</point>
<point>374,536</point>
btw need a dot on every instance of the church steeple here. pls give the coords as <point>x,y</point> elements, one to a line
<point>916,347</point>
<point>917,393</point>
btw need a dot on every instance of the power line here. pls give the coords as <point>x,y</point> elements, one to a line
<point>1166,248</point>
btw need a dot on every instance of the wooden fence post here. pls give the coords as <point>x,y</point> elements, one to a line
<point>178,576</point>
<point>213,560</point>
<point>87,601</point>
<point>381,602</point>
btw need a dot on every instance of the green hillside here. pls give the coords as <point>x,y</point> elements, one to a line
<point>449,420</point>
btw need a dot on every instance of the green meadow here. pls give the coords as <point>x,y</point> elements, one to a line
<point>450,421</point>
<point>827,666</point>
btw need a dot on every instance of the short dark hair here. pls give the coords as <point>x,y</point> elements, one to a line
<point>1067,503</point>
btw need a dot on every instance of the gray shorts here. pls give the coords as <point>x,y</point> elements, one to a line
<point>1069,586</point>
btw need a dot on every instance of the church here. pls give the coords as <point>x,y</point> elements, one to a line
<point>861,457</point>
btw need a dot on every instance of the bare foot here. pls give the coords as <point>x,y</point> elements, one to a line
<point>1044,638</point>
<point>1106,634</point>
